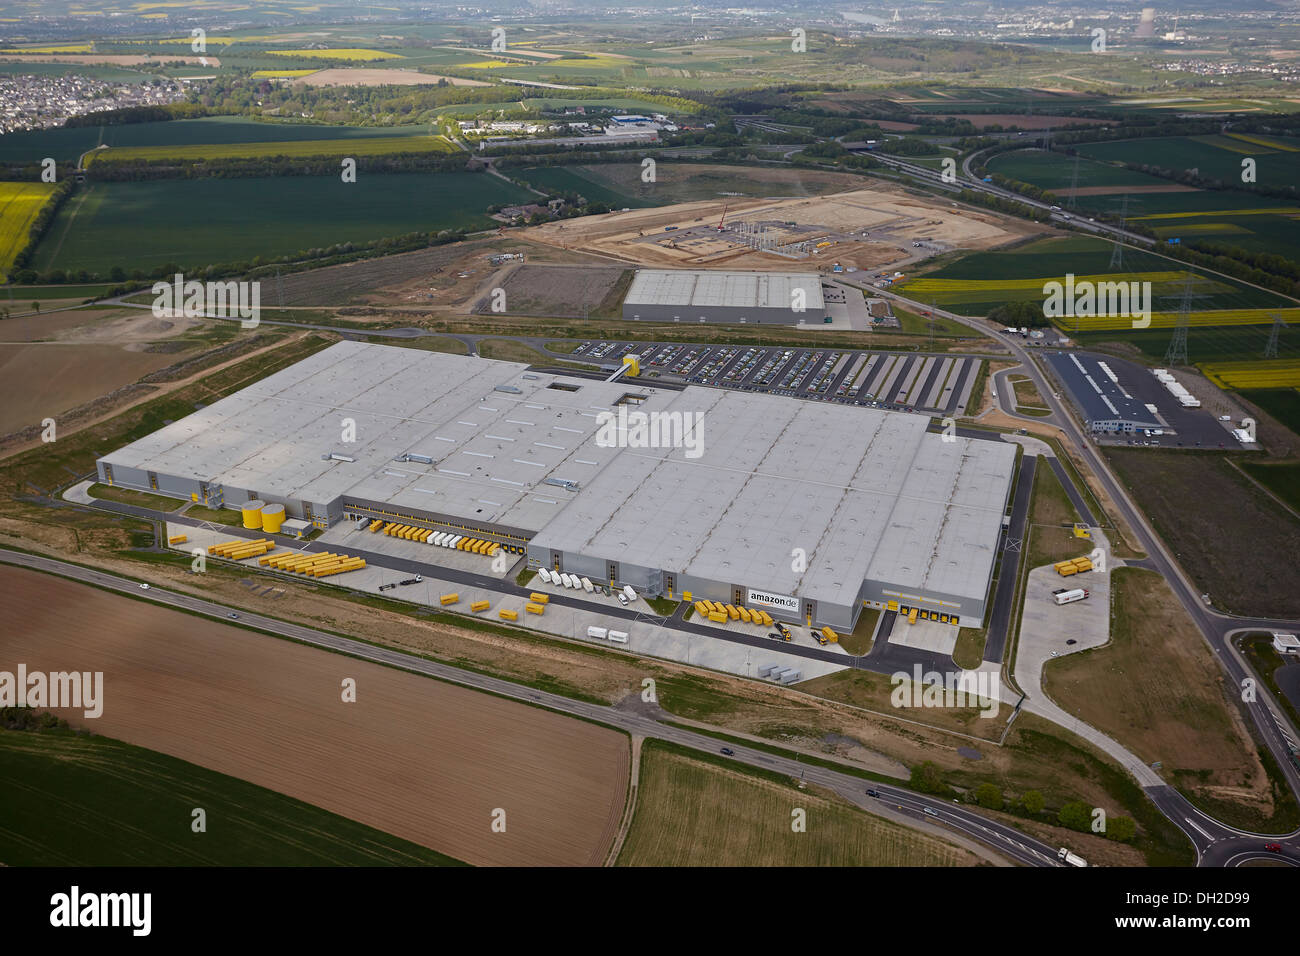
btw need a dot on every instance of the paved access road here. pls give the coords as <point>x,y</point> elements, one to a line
<point>948,821</point>
<point>1214,841</point>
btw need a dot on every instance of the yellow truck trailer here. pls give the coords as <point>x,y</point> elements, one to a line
<point>449,599</point>
<point>534,608</point>
<point>480,605</point>
<point>509,615</point>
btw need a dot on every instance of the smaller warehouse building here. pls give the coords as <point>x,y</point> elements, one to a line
<point>735,298</point>
<point>1105,405</point>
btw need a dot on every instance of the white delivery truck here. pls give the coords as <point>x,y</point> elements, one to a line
<point>1070,859</point>
<point>1069,595</point>
<point>544,575</point>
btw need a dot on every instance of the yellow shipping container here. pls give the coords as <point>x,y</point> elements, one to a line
<point>539,598</point>
<point>534,608</point>
<point>732,612</point>
<point>744,614</point>
<point>178,539</point>
<point>449,599</point>
<point>509,615</point>
<point>717,617</point>
<point>480,605</point>
<point>702,609</point>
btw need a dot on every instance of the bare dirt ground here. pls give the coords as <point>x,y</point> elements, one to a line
<point>1107,190</point>
<point>426,761</point>
<point>894,219</point>
<point>360,76</point>
<point>557,290</point>
<point>44,379</point>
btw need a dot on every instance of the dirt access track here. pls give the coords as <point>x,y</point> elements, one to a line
<point>895,219</point>
<point>414,757</point>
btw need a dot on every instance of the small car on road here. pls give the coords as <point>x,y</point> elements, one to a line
<point>1273,847</point>
<point>728,752</point>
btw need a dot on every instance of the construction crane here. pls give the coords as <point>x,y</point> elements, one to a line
<point>724,215</point>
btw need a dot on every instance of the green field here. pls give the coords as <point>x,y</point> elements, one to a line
<point>583,181</point>
<point>1282,403</point>
<point>354,146</point>
<point>1053,258</point>
<point>80,800</point>
<point>193,222</point>
<point>1204,344</point>
<point>697,810</point>
<point>66,145</point>
<point>1238,218</point>
<point>1281,479</point>
<point>1217,157</point>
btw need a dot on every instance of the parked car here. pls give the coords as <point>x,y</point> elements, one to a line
<point>622,598</point>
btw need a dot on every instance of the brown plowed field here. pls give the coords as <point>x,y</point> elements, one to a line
<point>414,757</point>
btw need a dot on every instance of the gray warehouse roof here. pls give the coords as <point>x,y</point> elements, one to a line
<point>1101,398</point>
<point>736,290</point>
<point>864,493</point>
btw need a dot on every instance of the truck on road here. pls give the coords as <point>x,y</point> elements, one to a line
<point>1070,859</point>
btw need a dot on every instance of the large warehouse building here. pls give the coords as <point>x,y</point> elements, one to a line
<point>678,295</point>
<point>810,510</point>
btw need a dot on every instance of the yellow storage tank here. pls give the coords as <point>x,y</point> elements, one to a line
<point>253,513</point>
<point>272,518</point>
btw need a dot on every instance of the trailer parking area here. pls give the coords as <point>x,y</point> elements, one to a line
<point>907,381</point>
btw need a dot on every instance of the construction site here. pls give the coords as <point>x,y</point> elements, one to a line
<point>858,230</point>
<point>489,464</point>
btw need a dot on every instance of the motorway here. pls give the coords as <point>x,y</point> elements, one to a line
<point>948,821</point>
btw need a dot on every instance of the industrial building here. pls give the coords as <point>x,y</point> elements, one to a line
<point>1105,405</point>
<point>680,295</point>
<point>806,509</point>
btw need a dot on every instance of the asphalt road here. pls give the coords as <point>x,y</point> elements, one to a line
<point>1215,842</point>
<point>946,820</point>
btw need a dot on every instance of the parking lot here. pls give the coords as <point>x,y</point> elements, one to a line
<point>902,381</point>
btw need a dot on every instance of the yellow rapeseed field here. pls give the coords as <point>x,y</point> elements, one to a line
<point>350,54</point>
<point>19,204</point>
<point>1274,373</point>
